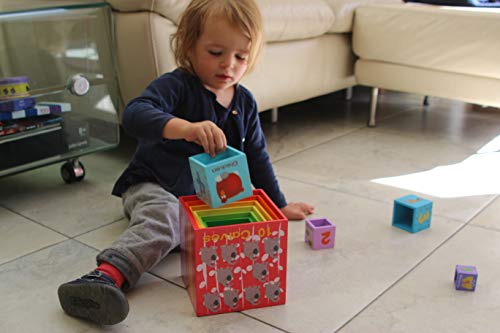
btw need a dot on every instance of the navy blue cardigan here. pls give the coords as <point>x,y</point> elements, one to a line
<point>163,161</point>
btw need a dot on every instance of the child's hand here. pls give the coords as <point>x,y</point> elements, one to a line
<point>297,210</point>
<point>208,135</point>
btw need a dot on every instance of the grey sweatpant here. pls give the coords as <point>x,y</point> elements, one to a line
<point>153,231</point>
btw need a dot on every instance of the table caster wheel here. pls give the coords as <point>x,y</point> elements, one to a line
<point>72,171</point>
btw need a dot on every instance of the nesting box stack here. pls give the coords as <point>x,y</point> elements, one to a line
<point>233,239</point>
<point>233,252</point>
<point>233,258</point>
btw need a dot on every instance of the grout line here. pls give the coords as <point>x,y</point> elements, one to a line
<point>361,196</point>
<point>484,207</point>
<point>263,322</point>
<point>418,264</point>
<point>317,145</point>
<point>166,280</point>
<point>392,285</point>
<point>96,228</point>
<point>33,252</point>
<point>34,221</point>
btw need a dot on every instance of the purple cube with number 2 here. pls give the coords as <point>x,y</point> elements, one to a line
<point>320,233</point>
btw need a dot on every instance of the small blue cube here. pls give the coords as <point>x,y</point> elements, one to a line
<point>222,179</point>
<point>412,213</point>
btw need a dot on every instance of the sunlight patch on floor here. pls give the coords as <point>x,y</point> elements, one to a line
<point>478,174</point>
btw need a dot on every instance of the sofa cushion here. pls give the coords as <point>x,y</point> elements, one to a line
<point>344,12</point>
<point>283,19</point>
<point>453,39</point>
<point>295,19</point>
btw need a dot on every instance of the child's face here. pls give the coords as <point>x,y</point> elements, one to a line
<point>220,54</point>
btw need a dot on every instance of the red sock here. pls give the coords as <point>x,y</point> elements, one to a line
<point>112,272</point>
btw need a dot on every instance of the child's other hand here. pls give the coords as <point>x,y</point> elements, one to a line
<point>208,135</point>
<point>297,210</point>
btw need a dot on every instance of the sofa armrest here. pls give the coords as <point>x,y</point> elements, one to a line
<point>170,9</point>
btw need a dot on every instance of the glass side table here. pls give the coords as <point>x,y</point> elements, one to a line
<point>58,84</point>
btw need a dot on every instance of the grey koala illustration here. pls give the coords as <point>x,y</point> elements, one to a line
<point>212,301</point>
<point>231,298</point>
<point>252,294</point>
<point>224,276</point>
<point>272,291</point>
<point>251,250</point>
<point>260,271</point>
<point>229,253</point>
<point>209,255</point>
<point>272,246</point>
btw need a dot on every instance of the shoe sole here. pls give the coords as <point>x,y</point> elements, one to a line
<point>100,303</point>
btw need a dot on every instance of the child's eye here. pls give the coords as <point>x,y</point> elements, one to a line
<point>215,53</point>
<point>241,57</point>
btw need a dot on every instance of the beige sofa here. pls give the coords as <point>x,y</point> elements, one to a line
<point>307,54</point>
<point>450,52</point>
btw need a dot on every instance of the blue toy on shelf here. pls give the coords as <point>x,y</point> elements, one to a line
<point>412,213</point>
<point>222,179</point>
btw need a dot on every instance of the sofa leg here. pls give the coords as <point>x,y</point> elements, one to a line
<point>348,93</point>
<point>274,115</point>
<point>373,107</point>
<point>426,101</point>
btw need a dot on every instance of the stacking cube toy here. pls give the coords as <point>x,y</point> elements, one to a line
<point>222,179</point>
<point>233,258</point>
<point>465,277</point>
<point>412,213</point>
<point>320,233</point>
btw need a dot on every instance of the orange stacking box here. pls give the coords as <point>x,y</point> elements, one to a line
<point>234,257</point>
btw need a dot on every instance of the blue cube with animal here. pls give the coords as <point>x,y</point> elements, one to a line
<point>222,179</point>
<point>412,213</point>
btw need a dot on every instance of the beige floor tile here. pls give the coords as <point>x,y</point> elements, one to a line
<point>170,268</point>
<point>353,162</point>
<point>103,237</point>
<point>327,287</point>
<point>304,125</point>
<point>71,209</point>
<point>29,299</point>
<point>426,300</point>
<point>325,156</point>
<point>457,122</point>
<point>490,216</point>
<point>20,236</point>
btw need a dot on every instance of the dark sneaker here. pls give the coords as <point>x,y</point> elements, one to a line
<point>94,297</point>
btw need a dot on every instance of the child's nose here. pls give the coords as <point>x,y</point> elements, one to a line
<point>227,62</point>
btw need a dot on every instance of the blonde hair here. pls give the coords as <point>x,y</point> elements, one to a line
<point>242,14</point>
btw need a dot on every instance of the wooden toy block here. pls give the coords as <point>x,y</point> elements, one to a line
<point>320,233</point>
<point>222,179</point>
<point>237,266</point>
<point>465,277</point>
<point>412,213</point>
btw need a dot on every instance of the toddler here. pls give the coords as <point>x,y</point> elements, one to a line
<point>199,107</point>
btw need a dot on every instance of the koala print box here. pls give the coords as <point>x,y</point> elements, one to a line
<point>237,266</point>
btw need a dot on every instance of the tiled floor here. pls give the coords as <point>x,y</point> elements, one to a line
<point>377,279</point>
